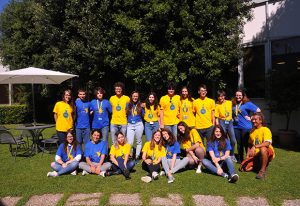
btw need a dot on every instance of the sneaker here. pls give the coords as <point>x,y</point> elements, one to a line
<point>146,179</point>
<point>155,175</point>
<point>198,171</point>
<point>102,174</point>
<point>171,179</point>
<point>162,173</point>
<point>52,174</point>
<point>233,159</point>
<point>74,172</point>
<point>225,175</point>
<point>233,178</point>
<point>126,174</point>
<point>84,173</point>
<point>261,175</point>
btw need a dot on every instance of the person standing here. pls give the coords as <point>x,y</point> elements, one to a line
<point>100,108</point>
<point>204,108</point>
<point>64,115</point>
<point>169,110</point>
<point>118,102</point>
<point>186,107</point>
<point>82,123</point>
<point>242,108</point>
<point>151,116</point>
<point>223,114</point>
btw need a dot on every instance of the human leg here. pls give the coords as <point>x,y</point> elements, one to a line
<point>84,166</point>
<point>202,134</point>
<point>148,131</point>
<point>104,132</point>
<point>123,128</point>
<point>239,137</point>
<point>130,134</point>
<point>174,130</point>
<point>180,164</point>
<point>61,136</point>
<point>105,166</point>
<point>230,166</point>
<point>231,135</point>
<point>70,168</point>
<point>86,135</point>
<point>139,128</point>
<point>165,164</point>
<point>79,135</point>
<point>113,129</point>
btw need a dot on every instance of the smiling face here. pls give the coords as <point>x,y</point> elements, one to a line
<point>256,121</point>
<point>118,91</point>
<point>171,92</point>
<point>82,95</point>
<point>121,139</point>
<point>184,93</point>
<point>151,98</point>
<point>202,92</point>
<point>96,136</point>
<point>99,95</point>
<point>221,98</point>
<point>70,138</point>
<point>157,137</point>
<point>135,97</point>
<point>165,135</point>
<point>67,96</point>
<point>218,133</point>
<point>238,96</point>
<point>181,129</point>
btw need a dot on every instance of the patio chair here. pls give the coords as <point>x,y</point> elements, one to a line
<point>50,144</point>
<point>14,144</point>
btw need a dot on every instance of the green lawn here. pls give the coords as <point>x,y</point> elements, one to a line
<point>27,176</point>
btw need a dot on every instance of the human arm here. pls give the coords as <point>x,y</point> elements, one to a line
<point>216,160</point>
<point>113,159</point>
<point>144,158</point>
<point>98,168</point>
<point>174,157</point>
<point>92,166</point>
<point>55,117</point>
<point>161,118</point>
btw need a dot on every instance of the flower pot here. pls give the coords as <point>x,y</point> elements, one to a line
<point>287,138</point>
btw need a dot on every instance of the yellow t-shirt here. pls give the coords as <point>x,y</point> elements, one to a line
<point>151,115</point>
<point>224,110</point>
<point>64,120</point>
<point>203,110</point>
<point>155,153</point>
<point>119,109</point>
<point>121,151</point>
<point>194,138</point>
<point>186,112</point>
<point>260,135</point>
<point>170,107</point>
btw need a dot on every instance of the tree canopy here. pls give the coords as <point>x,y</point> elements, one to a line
<point>146,42</point>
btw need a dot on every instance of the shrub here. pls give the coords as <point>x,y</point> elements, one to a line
<point>13,114</point>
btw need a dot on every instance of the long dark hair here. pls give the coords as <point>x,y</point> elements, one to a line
<point>244,100</point>
<point>186,136</point>
<point>131,103</point>
<point>188,97</point>
<point>155,103</point>
<point>222,140</point>
<point>152,141</point>
<point>116,144</point>
<point>74,143</point>
<point>171,140</point>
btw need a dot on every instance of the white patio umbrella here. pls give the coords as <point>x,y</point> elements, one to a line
<point>32,75</point>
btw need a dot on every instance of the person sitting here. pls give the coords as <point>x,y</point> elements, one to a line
<point>260,145</point>
<point>95,152</point>
<point>67,157</point>
<point>219,149</point>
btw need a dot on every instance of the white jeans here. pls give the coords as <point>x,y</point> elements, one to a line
<point>136,130</point>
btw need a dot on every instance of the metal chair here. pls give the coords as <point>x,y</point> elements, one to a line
<point>48,144</point>
<point>14,144</point>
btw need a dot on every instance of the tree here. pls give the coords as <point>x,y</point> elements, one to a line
<point>147,42</point>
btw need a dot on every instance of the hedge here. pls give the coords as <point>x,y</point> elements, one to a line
<point>13,114</point>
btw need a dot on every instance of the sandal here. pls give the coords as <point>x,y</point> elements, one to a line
<point>261,175</point>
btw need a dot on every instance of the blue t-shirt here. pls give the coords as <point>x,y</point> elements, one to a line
<point>94,151</point>
<point>213,146</point>
<point>64,156</point>
<point>101,110</point>
<point>82,114</point>
<point>240,122</point>
<point>134,118</point>
<point>173,149</point>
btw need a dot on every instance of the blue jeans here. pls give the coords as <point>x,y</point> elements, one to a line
<point>226,164</point>
<point>227,126</point>
<point>137,131</point>
<point>83,135</point>
<point>60,170</point>
<point>205,133</point>
<point>173,129</point>
<point>130,164</point>
<point>117,127</point>
<point>61,136</point>
<point>242,136</point>
<point>149,129</point>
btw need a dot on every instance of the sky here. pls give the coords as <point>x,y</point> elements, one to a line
<point>2,4</point>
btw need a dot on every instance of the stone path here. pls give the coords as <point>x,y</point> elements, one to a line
<point>93,199</point>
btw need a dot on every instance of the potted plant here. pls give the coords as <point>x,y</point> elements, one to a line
<point>285,99</point>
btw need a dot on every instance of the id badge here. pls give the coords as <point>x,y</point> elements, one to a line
<point>99,118</point>
<point>151,122</point>
<point>132,122</point>
<point>185,117</point>
<point>226,122</point>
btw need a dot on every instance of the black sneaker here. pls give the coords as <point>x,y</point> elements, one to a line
<point>261,175</point>
<point>126,174</point>
<point>233,178</point>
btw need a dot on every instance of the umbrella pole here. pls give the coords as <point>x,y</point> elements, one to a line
<point>33,104</point>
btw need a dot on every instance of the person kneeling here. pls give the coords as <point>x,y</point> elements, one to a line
<point>95,152</point>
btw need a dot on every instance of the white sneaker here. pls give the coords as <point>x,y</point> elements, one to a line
<point>146,179</point>
<point>102,174</point>
<point>155,175</point>
<point>171,179</point>
<point>84,173</point>
<point>52,174</point>
<point>162,173</point>
<point>198,171</point>
<point>233,158</point>
<point>74,172</point>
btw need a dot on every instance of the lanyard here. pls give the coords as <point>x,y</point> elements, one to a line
<point>237,108</point>
<point>69,152</point>
<point>99,106</point>
<point>133,109</point>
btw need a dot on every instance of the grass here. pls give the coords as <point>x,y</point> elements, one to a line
<point>27,177</point>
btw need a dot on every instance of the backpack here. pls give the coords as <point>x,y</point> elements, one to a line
<point>247,165</point>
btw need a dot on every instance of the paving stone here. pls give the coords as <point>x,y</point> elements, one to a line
<point>44,200</point>
<point>249,201</point>
<point>171,200</point>
<point>291,202</point>
<point>9,201</point>
<point>209,200</point>
<point>125,199</point>
<point>84,199</point>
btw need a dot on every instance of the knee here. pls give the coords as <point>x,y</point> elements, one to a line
<point>263,150</point>
<point>52,164</point>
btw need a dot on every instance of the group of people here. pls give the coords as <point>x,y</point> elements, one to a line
<point>181,132</point>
